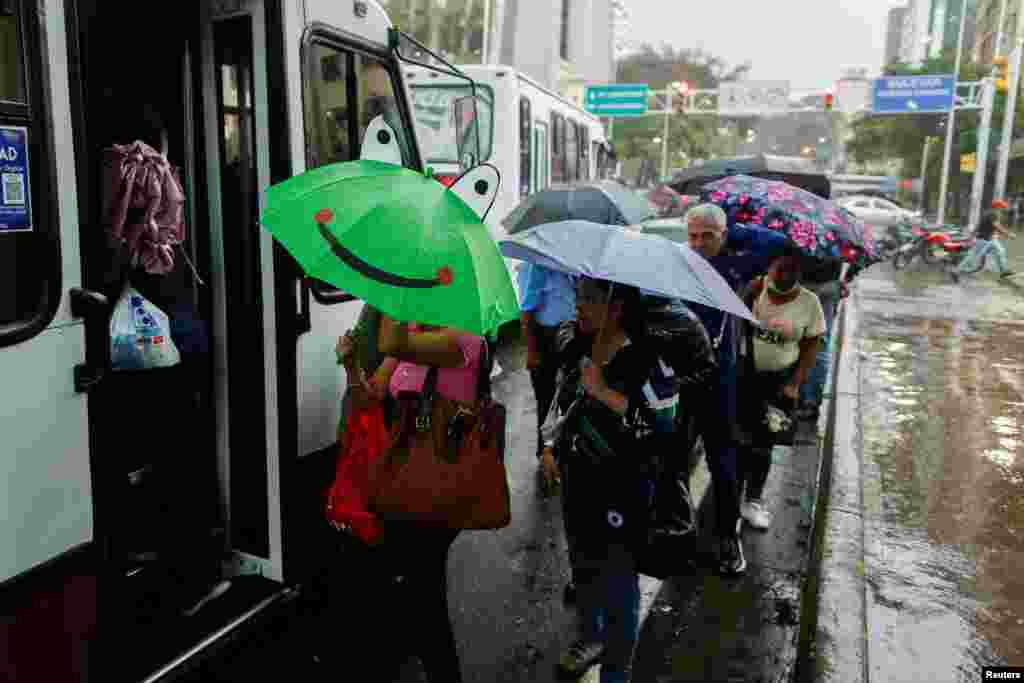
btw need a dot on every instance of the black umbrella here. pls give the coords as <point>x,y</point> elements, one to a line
<point>792,170</point>
<point>606,203</point>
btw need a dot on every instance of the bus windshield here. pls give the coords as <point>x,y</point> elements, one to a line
<point>432,107</point>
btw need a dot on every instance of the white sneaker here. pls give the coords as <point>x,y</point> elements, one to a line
<point>756,514</point>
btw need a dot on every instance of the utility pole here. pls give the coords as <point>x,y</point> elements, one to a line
<point>664,137</point>
<point>485,56</point>
<point>1011,108</point>
<point>999,34</point>
<point>951,121</point>
<point>988,96</point>
<point>924,172</point>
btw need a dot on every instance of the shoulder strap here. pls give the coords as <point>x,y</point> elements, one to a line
<point>483,380</point>
<point>425,403</point>
<point>717,341</point>
<point>430,384</point>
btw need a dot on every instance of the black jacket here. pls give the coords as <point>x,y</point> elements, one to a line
<point>620,483</point>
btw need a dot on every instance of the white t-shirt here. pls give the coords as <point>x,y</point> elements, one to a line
<point>783,327</point>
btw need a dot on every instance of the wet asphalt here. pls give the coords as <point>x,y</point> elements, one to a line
<point>943,472</point>
<point>506,586</point>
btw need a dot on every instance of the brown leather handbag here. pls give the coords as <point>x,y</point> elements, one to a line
<point>445,466</point>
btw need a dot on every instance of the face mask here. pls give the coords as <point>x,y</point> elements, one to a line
<point>783,285</point>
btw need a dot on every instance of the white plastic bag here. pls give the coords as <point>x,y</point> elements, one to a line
<point>140,335</point>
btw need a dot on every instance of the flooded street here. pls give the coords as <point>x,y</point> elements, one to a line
<point>942,402</point>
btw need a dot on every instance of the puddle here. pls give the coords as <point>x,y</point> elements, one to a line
<point>943,440</point>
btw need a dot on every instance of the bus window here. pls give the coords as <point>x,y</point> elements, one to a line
<point>584,153</point>
<point>30,266</point>
<point>525,146</point>
<point>431,107</point>
<point>376,97</point>
<point>572,152</point>
<point>557,148</point>
<point>12,78</point>
<point>344,91</point>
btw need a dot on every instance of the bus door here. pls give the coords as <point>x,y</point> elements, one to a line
<point>183,458</point>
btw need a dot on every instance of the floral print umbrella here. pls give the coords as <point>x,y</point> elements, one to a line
<point>819,226</point>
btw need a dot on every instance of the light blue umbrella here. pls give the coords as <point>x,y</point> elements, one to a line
<point>629,257</point>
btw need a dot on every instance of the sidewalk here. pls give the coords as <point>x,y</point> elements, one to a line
<point>920,560</point>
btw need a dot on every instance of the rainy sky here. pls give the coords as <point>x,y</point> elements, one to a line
<point>807,42</point>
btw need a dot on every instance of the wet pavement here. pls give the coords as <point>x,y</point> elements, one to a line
<point>938,422</point>
<point>938,430</point>
<point>506,586</point>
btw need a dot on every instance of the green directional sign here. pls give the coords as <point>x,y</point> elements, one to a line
<point>617,99</point>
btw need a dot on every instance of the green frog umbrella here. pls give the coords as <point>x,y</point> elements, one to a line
<point>397,239</point>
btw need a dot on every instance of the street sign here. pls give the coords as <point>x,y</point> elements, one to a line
<point>753,97</point>
<point>617,99</point>
<point>914,94</point>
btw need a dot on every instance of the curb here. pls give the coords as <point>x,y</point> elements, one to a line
<point>841,637</point>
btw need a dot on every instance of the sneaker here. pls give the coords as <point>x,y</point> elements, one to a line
<point>730,555</point>
<point>580,657</point>
<point>756,514</point>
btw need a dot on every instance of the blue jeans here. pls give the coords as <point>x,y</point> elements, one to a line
<point>813,390</point>
<point>610,613</point>
<point>983,248</point>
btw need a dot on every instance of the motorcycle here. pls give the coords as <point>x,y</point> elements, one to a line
<point>928,244</point>
<point>898,236</point>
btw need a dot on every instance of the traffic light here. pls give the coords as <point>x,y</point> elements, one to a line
<point>682,91</point>
<point>1001,67</point>
<point>828,101</point>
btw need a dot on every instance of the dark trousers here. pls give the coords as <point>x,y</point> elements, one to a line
<point>545,376</point>
<point>716,424</point>
<point>757,463</point>
<point>385,604</point>
<point>755,457</point>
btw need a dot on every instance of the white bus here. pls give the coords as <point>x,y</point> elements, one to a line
<point>533,136</point>
<point>149,516</point>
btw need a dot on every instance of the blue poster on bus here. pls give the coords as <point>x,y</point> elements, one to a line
<point>15,204</point>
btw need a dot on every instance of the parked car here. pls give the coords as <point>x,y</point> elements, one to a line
<point>876,211</point>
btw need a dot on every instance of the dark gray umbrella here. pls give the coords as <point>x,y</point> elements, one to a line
<point>796,171</point>
<point>605,202</point>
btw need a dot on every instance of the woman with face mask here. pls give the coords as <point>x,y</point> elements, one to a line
<point>632,362</point>
<point>784,348</point>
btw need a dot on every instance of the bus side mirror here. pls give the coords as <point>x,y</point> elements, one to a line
<point>465,113</point>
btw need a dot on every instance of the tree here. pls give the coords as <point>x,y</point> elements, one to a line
<point>902,136</point>
<point>452,28</point>
<point>694,137</point>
